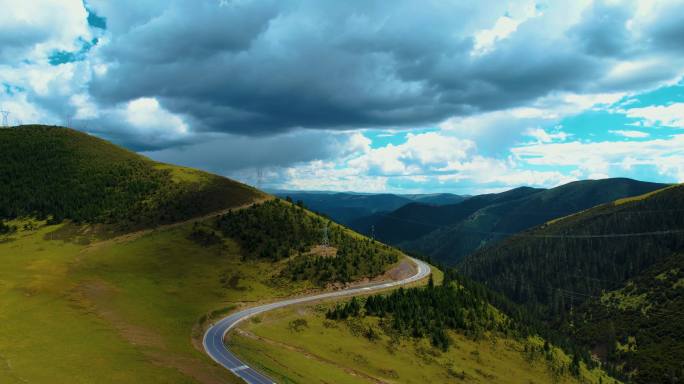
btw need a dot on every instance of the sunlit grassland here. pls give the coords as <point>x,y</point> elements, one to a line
<point>337,351</point>
<point>117,312</point>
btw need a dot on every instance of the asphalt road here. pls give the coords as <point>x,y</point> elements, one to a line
<point>217,350</point>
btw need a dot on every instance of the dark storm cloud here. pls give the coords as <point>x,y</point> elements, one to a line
<point>668,31</point>
<point>259,68</point>
<point>227,153</point>
<point>603,29</point>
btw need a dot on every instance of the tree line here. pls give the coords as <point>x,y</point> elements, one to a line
<point>276,230</point>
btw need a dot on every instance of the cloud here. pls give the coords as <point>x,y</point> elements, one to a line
<point>598,158</point>
<point>28,30</point>
<point>667,115</point>
<point>204,83</point>
<point>418,152</point>
<point>543,136</point>
<point>630,134</point>
<point>229,154</point>
<point>260,68</point>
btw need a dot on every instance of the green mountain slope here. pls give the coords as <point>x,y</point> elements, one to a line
<point>559,265</point>
<point>638,328</point>
<point>53,171</point>
<point>502,216</point>
<point>76,306</point>
<point>417,219</point>
<point>446,333</point>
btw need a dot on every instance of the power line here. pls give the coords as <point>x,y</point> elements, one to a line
<point>522,234</point>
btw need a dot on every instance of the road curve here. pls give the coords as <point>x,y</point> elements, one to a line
<point>217,350</point>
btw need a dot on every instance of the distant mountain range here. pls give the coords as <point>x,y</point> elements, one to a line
<point>347,207</point>
<point>448,232</point>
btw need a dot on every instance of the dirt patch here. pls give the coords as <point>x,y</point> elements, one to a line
<point>323,251</point>
<point>401,271</point>
<point>311,356</point>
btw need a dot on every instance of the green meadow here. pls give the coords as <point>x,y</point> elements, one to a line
<point>299,345</point>
<point>120,310</point>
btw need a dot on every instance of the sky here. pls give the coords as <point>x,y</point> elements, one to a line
<point>370,96</point>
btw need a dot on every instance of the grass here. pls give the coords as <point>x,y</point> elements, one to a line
<point>75,309</point>
<point>644,196</point>
<point>184,174</point>
<point>113,312</point>
<point>338,352</point>
<point>625,299</point>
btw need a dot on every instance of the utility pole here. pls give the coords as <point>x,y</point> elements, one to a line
<point>5,118</point>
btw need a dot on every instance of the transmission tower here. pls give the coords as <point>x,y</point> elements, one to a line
<point>373,232</point>
<point>5,118</point>
<point>325,241</point>
<point>259,177</point>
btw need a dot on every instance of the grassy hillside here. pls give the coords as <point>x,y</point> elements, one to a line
<point>66,174</point>
<point>562,264</point>
<point>131,308</point>
<point>80,307</point>
<point>494,218</point>
<point>392,339</point>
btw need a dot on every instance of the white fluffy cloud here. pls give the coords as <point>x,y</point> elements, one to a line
<point>596,159</point>
<point>543,136</point>
<point>667,115</point>
<point>30,30</point>
<point>423,150</point>
<point>629,133</point>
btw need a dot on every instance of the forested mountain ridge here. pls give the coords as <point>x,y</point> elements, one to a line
<point>417,219</point>
<point>346,207</point>
<point>459,230</point>
<point>560,265</point>
<point>66,174</point>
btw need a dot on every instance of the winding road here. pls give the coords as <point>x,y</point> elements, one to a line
<point>217,350</point>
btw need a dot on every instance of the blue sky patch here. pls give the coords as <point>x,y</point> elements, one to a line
<point>94,20</point>
<point>63,57</point>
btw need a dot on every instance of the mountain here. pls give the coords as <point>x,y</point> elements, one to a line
<point>448,233</point>
<point>66,174</point>
<point>609,276</point>
<point>346,207</point>
<point>417,219</point>
<point>437,198</point>
<point>113,264</point>
<point>447,332</point>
